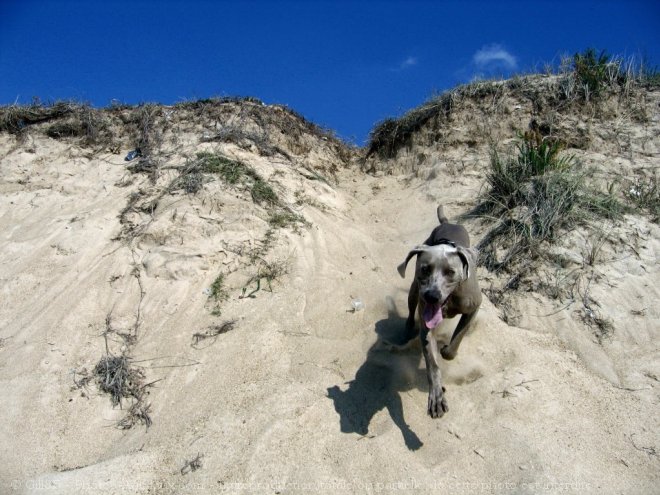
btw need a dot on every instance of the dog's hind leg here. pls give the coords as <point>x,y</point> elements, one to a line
<point>437,404</point>
<point>449,351</point>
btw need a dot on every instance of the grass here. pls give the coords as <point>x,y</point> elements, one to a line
<point>284,218</point>
<point>644,194</point>
<point>191,182</point>
<point>272,129</point>
<point>262,193</point>
<point>535,157</point>
<point>532,196</point>
<point>218,291</point>
<point>232,172</point>
<point>391,134</point>
<point>304,199</point>
<point>594,71</point>
<point>118,376</point>
<point>270,271</point>
<point>16,119</point>
<point>69,119</point>
<point>649,76</point>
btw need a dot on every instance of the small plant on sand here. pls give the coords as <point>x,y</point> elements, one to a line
<point>270,271</point>
<point>284,218</point>
<point>218,293</point>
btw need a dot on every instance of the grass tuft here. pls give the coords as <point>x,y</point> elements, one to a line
<point>218,291</point>
<point>233,172</point>
<point>594,71</point>
<point>644,193</point>
<point>530,197</point>
<point>284,218</point>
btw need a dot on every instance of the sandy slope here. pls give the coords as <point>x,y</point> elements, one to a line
<point>302,396</point>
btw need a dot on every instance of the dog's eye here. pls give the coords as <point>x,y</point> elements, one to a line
<point>425,270</point>
<point>450,272</point>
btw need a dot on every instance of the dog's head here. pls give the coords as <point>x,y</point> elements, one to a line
<point>439,271</point>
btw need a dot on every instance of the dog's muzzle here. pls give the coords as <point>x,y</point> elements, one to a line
<point>433,307</point>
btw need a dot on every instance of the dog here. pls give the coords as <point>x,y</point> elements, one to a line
<point>445,285</point>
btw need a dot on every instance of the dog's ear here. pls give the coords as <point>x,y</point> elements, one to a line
<point>413,252</point>
<point>469,257</point>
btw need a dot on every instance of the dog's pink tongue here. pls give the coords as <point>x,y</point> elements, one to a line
<point>432,315</point>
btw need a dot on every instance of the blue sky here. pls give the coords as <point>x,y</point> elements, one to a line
<point>344,65</point>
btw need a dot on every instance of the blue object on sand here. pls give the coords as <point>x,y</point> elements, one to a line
<point>132,155</point>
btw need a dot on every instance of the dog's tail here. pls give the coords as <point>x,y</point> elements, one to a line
<point>441,215</point>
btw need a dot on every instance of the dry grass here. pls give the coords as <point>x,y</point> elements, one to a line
<point>212,333</point>
<point>118,378</point>
<point>192,465</point>
<point>146,128</point>
<point>67,119</point>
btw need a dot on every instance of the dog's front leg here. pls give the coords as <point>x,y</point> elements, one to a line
<point>413,297</point>
<point>449,351</point>
<point>437,404</point>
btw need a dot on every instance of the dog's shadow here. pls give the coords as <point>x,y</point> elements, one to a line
<point>378,383</point>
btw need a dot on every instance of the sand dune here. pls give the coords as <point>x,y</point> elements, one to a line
<point>302,395</point>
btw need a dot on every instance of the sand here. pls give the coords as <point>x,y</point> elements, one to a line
<point>302,395</point>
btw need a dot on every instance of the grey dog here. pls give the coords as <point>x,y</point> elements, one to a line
<point>445,285</point>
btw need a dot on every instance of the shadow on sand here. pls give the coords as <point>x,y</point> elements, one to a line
<point>378,383</point>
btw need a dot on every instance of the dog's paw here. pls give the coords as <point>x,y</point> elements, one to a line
<point>447,353</point>
<point>437,403</point>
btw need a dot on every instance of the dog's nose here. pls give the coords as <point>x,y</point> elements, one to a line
<point>431,296</point>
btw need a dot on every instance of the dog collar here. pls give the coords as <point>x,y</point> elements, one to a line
<point>444,241</point>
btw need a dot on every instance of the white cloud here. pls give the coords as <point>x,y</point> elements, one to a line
<point>406,64</point>
<point>494,56</point>
<point>409,62</point>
